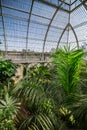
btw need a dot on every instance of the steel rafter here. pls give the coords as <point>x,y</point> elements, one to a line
<point>56,6</point>
<point>43,57</point>
<point>53,5</point>
<point>73,2</point>
<point>82,3</point>
<point>28,26</point>
<point>80,25</point>
<point>63,1</point>
<point>48,25</point>
<point>67,26</point>
<point>22,11</point>
<point>3,29</point>
<point>69,23</point>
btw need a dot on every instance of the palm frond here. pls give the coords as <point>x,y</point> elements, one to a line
<point>83,77</point>
<point>79,110</point>
<point>45,122</point>
<point>30,91</point>
<point>37,122</point>
<point>68,68</point>
<point>33,127</point>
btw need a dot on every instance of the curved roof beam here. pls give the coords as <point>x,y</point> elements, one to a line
<point>29,26</point>
<point>48,29</point>
<point>3,29</point>
<point>84,4</point>
<point>53,5</point>
<point>68,25</point>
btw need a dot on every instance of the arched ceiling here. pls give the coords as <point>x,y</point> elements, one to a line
<point>42,25</point>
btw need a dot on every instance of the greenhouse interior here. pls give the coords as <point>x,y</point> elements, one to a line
<point>43,64</point>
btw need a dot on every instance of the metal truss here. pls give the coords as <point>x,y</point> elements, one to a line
<point>3,29</point>
<point>59,6</point>
<point>43,57</point>
<point>67,26</point>
<point>28,26</point>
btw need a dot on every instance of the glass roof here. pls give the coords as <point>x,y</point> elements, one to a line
<point>42,25</point>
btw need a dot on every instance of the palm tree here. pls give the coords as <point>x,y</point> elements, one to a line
<point>68,67</point>
<point>68,64</point>
<point>79,106</point>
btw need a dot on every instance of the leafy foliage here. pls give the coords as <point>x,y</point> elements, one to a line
<point>68,68</point>
<point>7,70</point>
<point>83,78</point>
<point>32,91</point>
<point>40,74</point>
<point>8,111</point>
<point>43,92</point>
<point>79,111</point>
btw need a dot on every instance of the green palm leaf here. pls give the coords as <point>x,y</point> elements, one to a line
<point>79,110</point>
<point>9,108</point>
<point>68,68</point>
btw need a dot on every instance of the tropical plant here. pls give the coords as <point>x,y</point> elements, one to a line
<point>79,106</point>
<point>68,63</point>
<point>8,110</point>
<point>83,78</point>
<point>79,111</point>
<point>69,74</point>
<point>7,70</point>
<point>40,74</point>
<point>35,101</point>
<point>42,93</point>
<point>49,95</point>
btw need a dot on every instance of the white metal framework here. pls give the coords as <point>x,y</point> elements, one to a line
<point>41,26</point>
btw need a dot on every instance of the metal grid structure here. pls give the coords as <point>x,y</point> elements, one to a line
<point>41,26</point>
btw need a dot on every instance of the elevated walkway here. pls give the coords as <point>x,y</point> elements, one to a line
<point>23,58</point>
